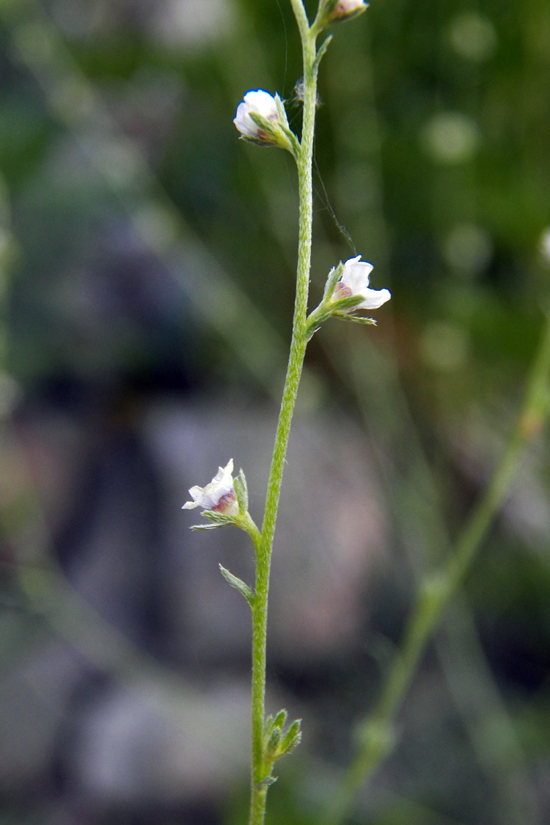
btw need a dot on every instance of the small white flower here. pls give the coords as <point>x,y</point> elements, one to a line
<point>345,7</point>
<point>219,495</point>
<point>259,103</point>
<point>354,280</point>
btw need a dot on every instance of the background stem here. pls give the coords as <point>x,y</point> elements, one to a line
<point>375,732</point>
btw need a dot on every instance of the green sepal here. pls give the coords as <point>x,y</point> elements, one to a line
<point>241,491</point>
<point>357,319</point>
<point>277,742</point>
<point>282,111</point>
<point>214,515</point>
<point>275,134</point>
<point>272,744</point>
<point>280,719</point>
<point>206,526</point>
<point>344,304</point>
<point>333,277</point>
<point>325,309</point>
<point>238,584</point>
<point>217,519</point>
<point>292,738</point>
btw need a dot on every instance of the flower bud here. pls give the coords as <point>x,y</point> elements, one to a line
<point>259,103</point>
<point>261,118</point>
<point>336,11</point>
<point>346,9</point>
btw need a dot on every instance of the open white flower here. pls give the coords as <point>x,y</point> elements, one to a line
<point>219,495</point>
<point>259,103</point>
<point>354,280</point>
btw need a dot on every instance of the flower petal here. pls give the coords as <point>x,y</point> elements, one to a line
<point>374,298</point>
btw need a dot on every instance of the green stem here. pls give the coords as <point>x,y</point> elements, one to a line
<point>375,733</point>
<point>260,768</point>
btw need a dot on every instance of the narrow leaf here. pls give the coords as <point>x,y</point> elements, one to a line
<point>322,51</point>
<point>238,584</point>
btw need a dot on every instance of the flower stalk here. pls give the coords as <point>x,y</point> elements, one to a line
<point>259,780</point>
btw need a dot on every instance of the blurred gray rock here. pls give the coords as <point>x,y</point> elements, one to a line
<point>330,536</point>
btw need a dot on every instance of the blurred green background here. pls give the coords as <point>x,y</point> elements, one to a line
<point>147,259</point>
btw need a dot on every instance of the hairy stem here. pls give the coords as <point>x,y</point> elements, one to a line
<point>375,733</point>
<point>260,769</point>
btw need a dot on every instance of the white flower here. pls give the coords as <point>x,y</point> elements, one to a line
<point>345,7</point>
<point>354,280</point>
<point>219,495</point>
<point>259,103</point>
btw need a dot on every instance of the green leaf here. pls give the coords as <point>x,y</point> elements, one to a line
<point>238,584</point>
